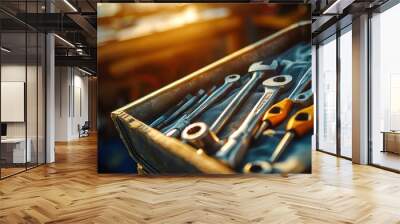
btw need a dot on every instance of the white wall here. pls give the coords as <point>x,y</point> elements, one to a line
<point>71,94</point>
<point>33,126</point>
<point>14,73</point>
<point>61,114</point>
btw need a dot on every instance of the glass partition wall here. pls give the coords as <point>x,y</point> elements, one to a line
<point>345,93</point>
<point>334,94</point>
<point>385,89</point>
<point>22,98</point>
<point>326,117</point>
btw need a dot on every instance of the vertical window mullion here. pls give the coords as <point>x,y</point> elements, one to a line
<point>316,97</point>
<point>26,87</point>
<point>338,74</point>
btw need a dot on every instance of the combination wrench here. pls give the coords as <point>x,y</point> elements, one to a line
<point>173,112</point>
<point>185,120</point>
<point>259,72</point>
<point>279,111</point>
<point>184,109</point>
<point>201,136</point>
<point>233,151</point>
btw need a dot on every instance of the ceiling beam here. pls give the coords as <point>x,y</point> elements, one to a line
<point>84,24</point>
<point>81,61</point>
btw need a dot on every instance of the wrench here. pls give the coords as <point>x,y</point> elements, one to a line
<point>279,111</point>
<point>173,112</point>
<point>236,146</point>
<point>259,71</point>
<point>291,165</point>
<point>288,65</point>
<point>298,125</point>
<point>185,120</point>
<point>304,98</point>
<point>186,108</point>
<point>199,135</point>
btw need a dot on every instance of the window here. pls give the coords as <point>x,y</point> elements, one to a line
<point>385,89</point>
<point>327,96</point>
<point>346,93</point>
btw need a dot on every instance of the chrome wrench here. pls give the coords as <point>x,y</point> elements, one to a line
<point>259,72</point>
<point>173,112</point>
<point>279,111</point>
<point>185,120</point>
<point>238,142</point>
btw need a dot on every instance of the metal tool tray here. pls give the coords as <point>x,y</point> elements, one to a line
<point>159,154</point>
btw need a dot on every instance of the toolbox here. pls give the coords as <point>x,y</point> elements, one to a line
<point>156,153</point>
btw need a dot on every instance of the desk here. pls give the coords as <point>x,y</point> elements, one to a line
<point>391,141</point>
<point>13,150</point>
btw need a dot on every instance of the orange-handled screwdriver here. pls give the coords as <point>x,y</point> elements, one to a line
<point>279,111</point>
<point>298,125</point>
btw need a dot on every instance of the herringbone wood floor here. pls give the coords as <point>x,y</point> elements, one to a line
<point>70,191</point>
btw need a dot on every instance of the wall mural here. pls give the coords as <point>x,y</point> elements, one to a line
<point>204,88</point>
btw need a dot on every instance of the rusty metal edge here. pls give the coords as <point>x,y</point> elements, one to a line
<point>203,162</point>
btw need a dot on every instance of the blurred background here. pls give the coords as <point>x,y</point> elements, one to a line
<point>145,46</point>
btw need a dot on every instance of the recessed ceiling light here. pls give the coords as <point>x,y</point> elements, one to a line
<point>70,5</point>
<point>84,71</point>
<point>64,40</point>
<point>5,50</point>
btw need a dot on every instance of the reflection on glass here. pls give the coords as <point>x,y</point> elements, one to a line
<point>41,98</point>
<point>345,94</point>
<point>14,153</point>
<point>327,97</point>
<point>22,90</point>
<point>385,84</point>
<point>31,100</point>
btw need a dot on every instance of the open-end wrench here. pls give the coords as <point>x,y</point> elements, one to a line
<point>185,120</point>
<point>234,149</point>
<point>173,112</point>
<point>289,66</point>
<point>259,72</point>
<point>279,111</point>
<point>186,108</point>
<point>304,98</point>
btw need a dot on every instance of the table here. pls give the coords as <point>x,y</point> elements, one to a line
<point>13,150</point>
<point>391,141</point>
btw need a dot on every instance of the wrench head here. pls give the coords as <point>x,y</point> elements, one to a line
<point>260,67</point>
<point>304,98</point>
<point>194,131</point>
<point>232,78</point>
<point>258,167</point>
<point>278,82</point>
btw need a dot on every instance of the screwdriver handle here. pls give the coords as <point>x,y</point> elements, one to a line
<point>278,112</point>
<point>302,121</point>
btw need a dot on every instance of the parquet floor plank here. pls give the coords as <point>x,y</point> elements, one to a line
<point>71,191</point>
